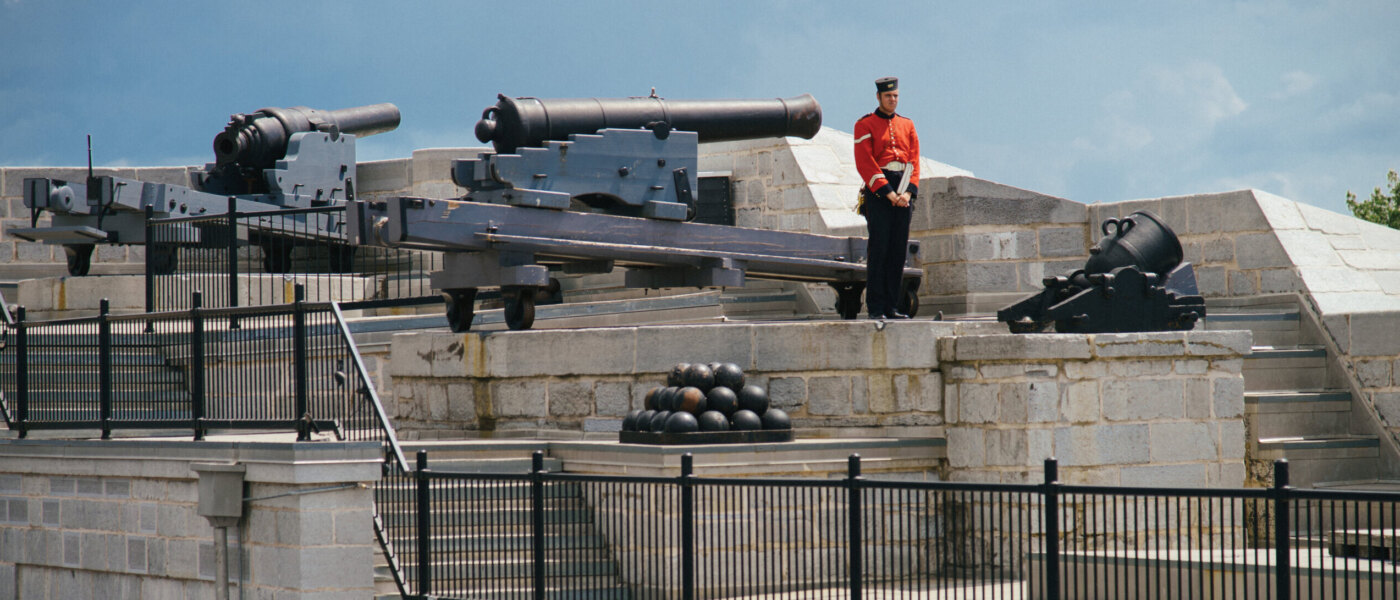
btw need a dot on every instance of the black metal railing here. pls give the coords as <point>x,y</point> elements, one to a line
<point>539,534</point>
<point>290,366</point>
<point>253,258</point>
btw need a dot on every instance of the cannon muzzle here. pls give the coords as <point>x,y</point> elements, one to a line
<point>515,122</point>
<point>258,140</point>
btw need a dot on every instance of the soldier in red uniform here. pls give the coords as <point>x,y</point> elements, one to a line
<point>887,157</point>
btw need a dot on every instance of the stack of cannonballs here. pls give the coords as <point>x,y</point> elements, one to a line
<point>707,398</point>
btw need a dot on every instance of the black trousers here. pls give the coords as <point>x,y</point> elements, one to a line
<point>889,242</point>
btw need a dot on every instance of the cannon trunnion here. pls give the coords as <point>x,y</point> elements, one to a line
<point>1134,280</point>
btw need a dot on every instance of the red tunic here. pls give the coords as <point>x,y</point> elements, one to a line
<point>881,140</point>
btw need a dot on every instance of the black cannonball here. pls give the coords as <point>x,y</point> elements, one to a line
<point>681,422</point>
<point>643,422</point>
<point>723,400</point>
<point>700,376</point>
<point>629,422</point>
<point>746,420</point>
<point>665,397</point>
<point>691,400</point>
<point>730,375</point>
<point>658,421</point>
<point>753,398</point>
<point>713,420</point>
<point>714,366</point>
<point>676,376</point>
<point>649,402</point>
<point>776,418</point>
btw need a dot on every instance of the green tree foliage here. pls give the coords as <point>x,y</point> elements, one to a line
<point>1382,208</point>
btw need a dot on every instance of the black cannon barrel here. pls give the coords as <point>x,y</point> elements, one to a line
<point>515,122</point>
<point>259,139</point>
<point>1139,240</point>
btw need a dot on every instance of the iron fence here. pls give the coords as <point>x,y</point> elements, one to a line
<point>290,366</point>
<point>544,534</point>
<point>255,258</point>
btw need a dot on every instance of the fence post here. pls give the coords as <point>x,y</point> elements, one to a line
<point>232,248</point>
<point>537,521</point>
<point>853,518</point>
<point>299,357</point>
<point>1282,552</point>
<point>1052,528</point>
<point>150,283</point>
<point>425,556</point>
<point>104,362</point>
<point>197,365</point>
<point>687,527</point>
<point>22,372</point>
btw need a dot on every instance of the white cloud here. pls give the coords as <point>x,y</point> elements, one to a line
<point>1200,89</point>
<point>1294,83</point>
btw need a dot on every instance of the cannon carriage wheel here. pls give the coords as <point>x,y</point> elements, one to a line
<point>848,299</point>
<point>519,307</point>
<point>79,258</point>
<point>461,308</point>
<point>909,300</point>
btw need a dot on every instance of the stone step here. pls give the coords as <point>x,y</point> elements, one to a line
<point>1274,368</point>
<point>1299,414</point>
<point>1320,459</point>
<point>1271,327</point>
<point>487,569</point>
<point>473,449</point>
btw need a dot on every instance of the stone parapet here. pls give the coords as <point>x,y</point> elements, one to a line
<point>118,519</point>
<point>1115,409</point>
<point>833,377</point>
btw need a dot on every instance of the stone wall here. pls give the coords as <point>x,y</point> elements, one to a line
<point>119,520</point>
<point>834,378</point>
<point>1143,409</point>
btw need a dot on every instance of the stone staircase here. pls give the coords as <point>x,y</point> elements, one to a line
<point>1297,406</point>
<point>481,537</point>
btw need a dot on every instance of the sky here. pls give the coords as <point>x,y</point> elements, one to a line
<point>1094,101</point>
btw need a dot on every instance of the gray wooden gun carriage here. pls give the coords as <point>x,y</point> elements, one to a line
<point>590,185</point>
<point>270,160</point>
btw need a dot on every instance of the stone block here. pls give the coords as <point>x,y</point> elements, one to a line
<point>966,448</point>
<point>992,277</point>
<point>1116,345</point>
<point>1019,371</point>
<point>1197,401</point>
<point>1224,212</point>
<point>1373,373</point>
<point>1011,347</point>
<point>1042,402</point>
<point>1388,405</point>
<point>787,393</point>
<point>947,278</point>
<point>1080,403</point>
<point>1210,281</point>
<point>1243,283</point>
<point>1374,334</point>
<point>570,398</point>
<point>1260,251</point>
<point>460,398</point>
<point>829,396</point>
<point>906,346</point>
<point>1218,250</point>
<point>1187,476</point>
<point>814,346</point>
<point>1139,368</point>
<point>1219,343</point>
<point>602,425</point>
<point>1006,447</point>
<point>519,398</point>
<point>975,403</point>
<point>1122,444</point>
<point>614,398</point>
<point>1000,245</point>
<point>1063,242</point>
<point>1233,439</point>
<point>562,352</point>
<point>1142,399</point>
<point>1183,442</point>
